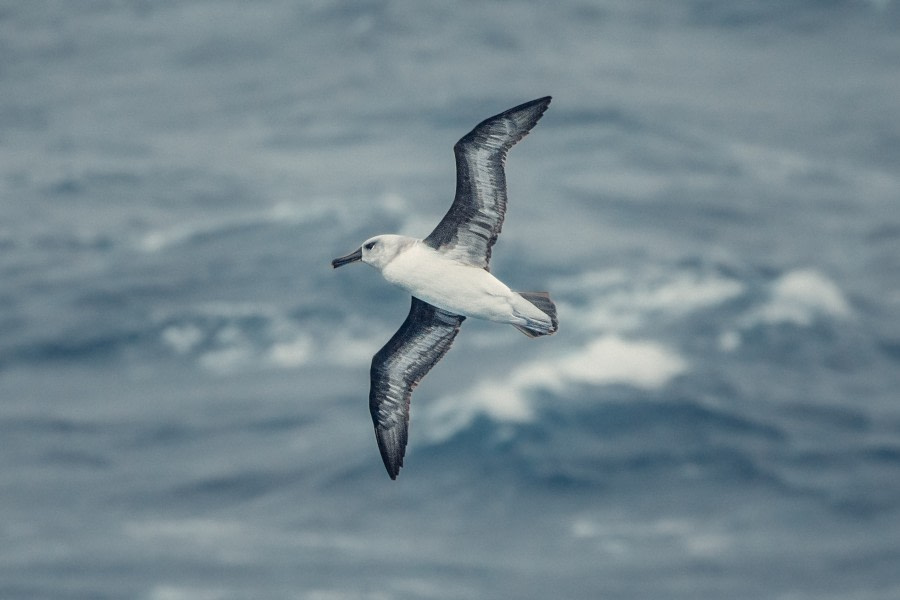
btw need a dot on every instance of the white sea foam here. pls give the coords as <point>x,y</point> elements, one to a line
<point>288,212</point>
<point>290,354</point>
<point>182,338</point>
<point>800,297</point>
<point>623,302</point>
<point>352,350</point>
<point>604,361</point>
<point>689,292</point>
<point>233,351</point>
<point>231,337</point>
<point>284,212</point>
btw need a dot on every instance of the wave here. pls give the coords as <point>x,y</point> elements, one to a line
<point>226,338</point>
<point>284,213</point>
<point>624,440</point>
<point>592,438</point>
<point>607,360</point>
<point>626,301</point>
<point>800,297</point>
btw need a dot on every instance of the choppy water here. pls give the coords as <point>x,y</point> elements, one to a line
<point>713,198</point>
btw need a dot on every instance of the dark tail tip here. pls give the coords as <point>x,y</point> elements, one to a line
<point>542,301</point>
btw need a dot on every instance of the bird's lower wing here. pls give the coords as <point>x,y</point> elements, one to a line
<point>398,367</point>
<point>471,226</point>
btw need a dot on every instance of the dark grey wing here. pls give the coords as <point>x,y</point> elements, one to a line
<point>418,345</point>
<point>471,226</point>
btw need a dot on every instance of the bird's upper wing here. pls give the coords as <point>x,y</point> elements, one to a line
<point>397,368</point>
<point>471,226</point>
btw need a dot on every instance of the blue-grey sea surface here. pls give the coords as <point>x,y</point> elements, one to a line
<point>713,199</point>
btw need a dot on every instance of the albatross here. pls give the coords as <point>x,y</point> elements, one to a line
<point>448,276</point>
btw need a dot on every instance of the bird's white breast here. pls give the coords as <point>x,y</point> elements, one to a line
<point>449,285</point>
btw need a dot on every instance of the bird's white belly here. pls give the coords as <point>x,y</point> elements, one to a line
<point>451,286</point>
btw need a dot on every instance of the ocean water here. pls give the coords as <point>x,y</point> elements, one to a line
<point>713,199</point>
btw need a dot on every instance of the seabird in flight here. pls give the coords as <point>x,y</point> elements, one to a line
<point>448,276</point>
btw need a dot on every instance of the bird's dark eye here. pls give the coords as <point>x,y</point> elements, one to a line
<point>370,245</point>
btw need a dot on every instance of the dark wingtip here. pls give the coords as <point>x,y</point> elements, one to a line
<point>392,445</point>
<point>538,101</point>
<point>526,116</point>
<point>393,469</point>
<point>541,103</point>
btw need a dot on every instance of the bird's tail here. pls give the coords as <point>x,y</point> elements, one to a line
<point>534,328</point>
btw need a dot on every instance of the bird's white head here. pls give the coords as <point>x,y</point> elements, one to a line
<point>377,251</point>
